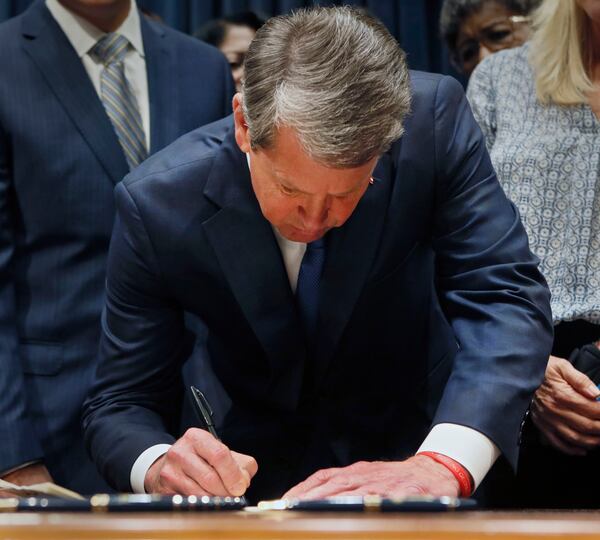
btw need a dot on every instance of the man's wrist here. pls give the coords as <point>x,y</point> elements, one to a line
<point>142,465</point>
<point>462,476</point>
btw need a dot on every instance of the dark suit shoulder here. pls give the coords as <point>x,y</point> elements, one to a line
<point>427,86</point>
<point>192,153</point>
<point>10,28</point>
<point>10,31</point>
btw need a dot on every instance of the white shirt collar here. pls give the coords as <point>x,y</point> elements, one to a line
<point>84,35</point>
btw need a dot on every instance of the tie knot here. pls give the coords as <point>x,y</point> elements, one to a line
<point>317,244</point>
<point>110,49</point>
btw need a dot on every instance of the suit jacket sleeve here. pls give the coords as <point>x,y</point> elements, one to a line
<point>488,283</point>
<point>143,343</point>
<point>19,442</point>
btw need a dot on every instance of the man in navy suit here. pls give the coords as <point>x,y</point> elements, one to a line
<point>374,313</point>
<point>72,124</point>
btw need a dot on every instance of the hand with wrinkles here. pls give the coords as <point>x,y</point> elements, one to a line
<point>565,409</point>
<point>418,475</point>
<point>199,464</point>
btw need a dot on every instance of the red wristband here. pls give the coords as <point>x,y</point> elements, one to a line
<point>460,473</point>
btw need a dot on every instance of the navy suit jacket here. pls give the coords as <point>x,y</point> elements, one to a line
<point>59,162</point>
<point>432,307</point>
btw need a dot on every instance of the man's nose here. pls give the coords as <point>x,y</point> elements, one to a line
<point>314,213</point>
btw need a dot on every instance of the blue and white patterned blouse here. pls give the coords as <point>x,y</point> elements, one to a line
<point>547,159</point>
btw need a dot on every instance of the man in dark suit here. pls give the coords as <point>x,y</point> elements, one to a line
<point>368,294</point>
<point>77,112</point>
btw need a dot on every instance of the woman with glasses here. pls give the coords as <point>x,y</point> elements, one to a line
<point>473,29</point>
<point>539,107</point>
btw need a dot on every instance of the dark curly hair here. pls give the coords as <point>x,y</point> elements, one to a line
<point>454,12</point>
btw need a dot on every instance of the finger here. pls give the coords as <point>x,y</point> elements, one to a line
<point>563,398</point>
<point>338,483</point>
<point>205,476</point>
<point>357,493</point>
<point>564,447</point>
<point>247,463</point>
<point>569,400</point>
<point>585,427</point>
<point>172,480</point>
<point>578,380</point>
<point>182,471</point>
<point>320,477</point>
<point>573,437</point>
<point>547,430</point>
<point>220,458</point>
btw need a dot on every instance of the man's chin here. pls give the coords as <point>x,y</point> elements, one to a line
<point>299,235</point>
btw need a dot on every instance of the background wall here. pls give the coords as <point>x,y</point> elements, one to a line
<point>413,22</point>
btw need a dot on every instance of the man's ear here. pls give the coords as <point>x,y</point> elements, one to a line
<point>242,137</point>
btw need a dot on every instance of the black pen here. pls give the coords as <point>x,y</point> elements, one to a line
<point>204,413</point>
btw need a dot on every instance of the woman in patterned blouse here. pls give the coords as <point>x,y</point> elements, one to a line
<point>539,107</point>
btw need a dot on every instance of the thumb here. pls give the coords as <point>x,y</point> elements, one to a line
<point>578,380</point>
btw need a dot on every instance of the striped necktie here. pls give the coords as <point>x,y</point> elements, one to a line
<point>118,99</point>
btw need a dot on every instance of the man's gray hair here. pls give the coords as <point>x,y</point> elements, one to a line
<point>335,76</point>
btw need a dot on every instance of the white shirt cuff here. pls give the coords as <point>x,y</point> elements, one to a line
<point>143,463</point>
<point>472,449</point>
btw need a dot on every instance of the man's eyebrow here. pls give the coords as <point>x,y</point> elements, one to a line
<point>284,180</point>
<point>352,190</point>
<point>348,192</point>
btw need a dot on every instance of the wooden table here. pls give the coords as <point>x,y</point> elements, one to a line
<point>297,526</point>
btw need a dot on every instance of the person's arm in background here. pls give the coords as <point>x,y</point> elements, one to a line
<point>20,450</point>
<point>143,343</point>
<point>498,305</point>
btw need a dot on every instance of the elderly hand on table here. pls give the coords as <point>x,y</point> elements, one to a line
<point>199,464</point>
<point>565,409</point>
<point>418,475</point>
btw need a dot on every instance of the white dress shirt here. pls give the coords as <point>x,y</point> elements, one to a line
<point>472,449</point>
<point>83,36</point>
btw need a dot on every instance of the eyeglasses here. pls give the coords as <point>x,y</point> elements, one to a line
<point>498,35</point>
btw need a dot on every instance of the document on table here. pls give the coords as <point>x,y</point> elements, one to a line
<point>45,488</point>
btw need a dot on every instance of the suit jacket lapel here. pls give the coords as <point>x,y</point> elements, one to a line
<point>51,51</point>
<point>251,261</point>
<point>351,251</point>
<point>161,91</point>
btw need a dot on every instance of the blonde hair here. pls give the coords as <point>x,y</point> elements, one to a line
<point>559,53</point>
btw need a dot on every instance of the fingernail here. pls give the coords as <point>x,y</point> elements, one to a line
<point>593,391</point>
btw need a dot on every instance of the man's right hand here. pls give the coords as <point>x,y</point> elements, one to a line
<point>199,464</point>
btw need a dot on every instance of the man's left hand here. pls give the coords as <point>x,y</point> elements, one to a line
<point>418,475</point>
